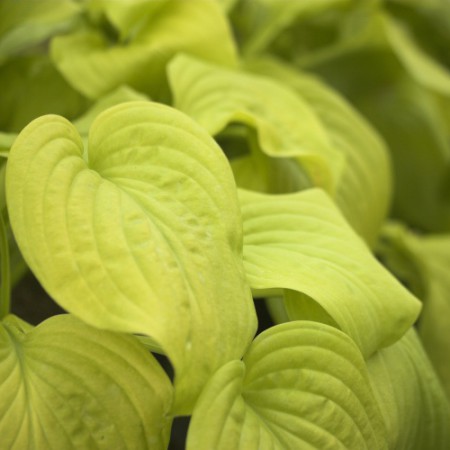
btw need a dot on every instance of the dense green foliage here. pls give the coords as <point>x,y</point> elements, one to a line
<point>168,163</point>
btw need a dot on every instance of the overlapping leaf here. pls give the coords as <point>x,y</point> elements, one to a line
<point>414,124</point>
<point>122,94</point>
<point>66,385</point>
<point>261,22</point>
<point>423,264</point>
<point>95,62</point>
<point>140,233</point>
<point>419,64</point>
<point>301,243</point>
<point>286,126</point>
<point>415,409</point>
<point>302,385</point>
<point>257,171</point>
<point>25,24</point>
<point>363,190</point>
<point>31,87</point>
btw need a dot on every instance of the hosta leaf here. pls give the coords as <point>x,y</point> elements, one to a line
<point>363,190</point>
<point>94,63</point>
<point>427,23</point>
<point>300,242</point>
<point>120,95</point>
<point>257,171</point>
<point>128,17</point>
<point>262,21</point>
<point>31,87</point>
<point>26,23</point>
<point>138,233</point>
<point>302,385</point>
<point>286,126</point>
<point>65,385</point>
<point>419,64</point>
<point>413,404</point>
<point>414,124</point>
<point>423,264</point>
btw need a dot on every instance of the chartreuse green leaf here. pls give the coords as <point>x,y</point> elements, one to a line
<point>363,190</point>
<point>95,61</point>
<point>66,385</point>
<point>423,264</point>
<point>120,95</point>
<point>286,126</point>
<point>262,21</point>
<point>422,67</point>
<point>301,385</point>
<point>6,140</point>
<point>141,232</point>
<point>128,17</point>
<point>301,243</point>
<point>415,409</point>
<point>414,124</point>
<point>31,87</point>
<point>427,23</point>
<point>27,23</point>
<point>257,171</point>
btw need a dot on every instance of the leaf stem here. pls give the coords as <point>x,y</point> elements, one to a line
<point>5,287</point>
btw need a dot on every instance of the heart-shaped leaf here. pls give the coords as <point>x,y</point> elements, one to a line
<point>141,232</point>
<point>302,385</point>
<point>66,385</point>
<point>301,243</point>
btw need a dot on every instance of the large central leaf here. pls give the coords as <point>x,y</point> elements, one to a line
<point>140,233</point>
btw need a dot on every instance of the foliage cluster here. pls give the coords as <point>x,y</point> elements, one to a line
<point>167,164</point>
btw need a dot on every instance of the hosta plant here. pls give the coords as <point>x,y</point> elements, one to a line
<point>173,171</point>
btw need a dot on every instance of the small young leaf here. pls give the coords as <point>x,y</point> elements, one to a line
<point>302,385</point>
<point>141,232</point>
<point>67,385</point>
<point>301,242</point>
